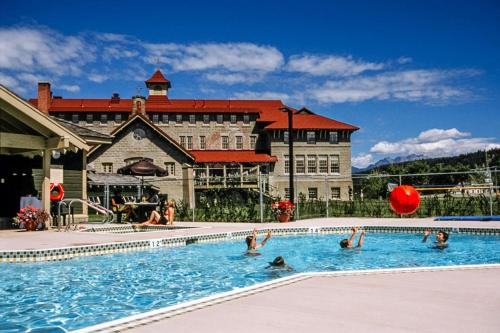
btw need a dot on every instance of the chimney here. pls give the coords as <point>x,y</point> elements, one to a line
<point>44,97</point>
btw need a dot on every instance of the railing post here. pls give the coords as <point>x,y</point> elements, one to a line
<point>261,199</point>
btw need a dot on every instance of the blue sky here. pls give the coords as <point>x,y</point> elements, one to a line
<point>417,77</point>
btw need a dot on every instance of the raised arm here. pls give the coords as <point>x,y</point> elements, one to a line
<point>268,235</point>
<point>354,231</point>
<point>426,235</point>
<point>361,239</point>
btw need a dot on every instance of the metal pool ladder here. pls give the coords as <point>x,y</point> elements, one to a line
<point>108,214</point>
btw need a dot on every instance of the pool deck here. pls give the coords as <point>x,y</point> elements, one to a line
<point>435,301</point>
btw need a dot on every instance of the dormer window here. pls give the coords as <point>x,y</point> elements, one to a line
<point>334,137</point>
<point>220,119</point>
<point>233,119</point>
<point>311,137</point>
<point>74,117</point>
<point>192,119</point>
<point>178,118</point>
<point>90,118</point>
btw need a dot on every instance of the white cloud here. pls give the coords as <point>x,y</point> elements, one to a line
<point>436,143</point>
<point>436,134</point>
<point>42,49</point>
<point>412,85</point>
<point>404,60</point>
<point>68,87</point>
<point>12,83</point>
<point>362,160</point>
<point>94,77</point>
<point>234,78</point>
<point>233,57</point>
<point>329,65</point>
<point>261,95</point>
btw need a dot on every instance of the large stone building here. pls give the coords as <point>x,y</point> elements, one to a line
<point>208,144</point>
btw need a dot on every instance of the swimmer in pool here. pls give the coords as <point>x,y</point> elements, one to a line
<point>348,243</point>
<point>441,239</point>
<point>252,245</point>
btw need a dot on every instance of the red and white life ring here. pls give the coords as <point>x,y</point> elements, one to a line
<point>56,192</point>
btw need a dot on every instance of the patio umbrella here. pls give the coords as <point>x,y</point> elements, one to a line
<point>143,168</point>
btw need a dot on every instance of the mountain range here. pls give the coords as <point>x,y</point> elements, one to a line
<point>389,160</point>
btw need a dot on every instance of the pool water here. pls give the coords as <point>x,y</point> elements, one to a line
<point>67,295</point>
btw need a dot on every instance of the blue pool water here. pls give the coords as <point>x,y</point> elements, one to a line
<point>67,295</point>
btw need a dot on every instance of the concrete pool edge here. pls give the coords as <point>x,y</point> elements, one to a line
<point>202,236</point>
<point>185,307</point>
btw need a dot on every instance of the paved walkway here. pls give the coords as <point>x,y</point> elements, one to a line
<point>449,301</point>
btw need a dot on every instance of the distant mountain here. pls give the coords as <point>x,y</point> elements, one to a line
<point>388,160</point>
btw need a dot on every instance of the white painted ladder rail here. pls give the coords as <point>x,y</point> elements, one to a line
<point>108,214</point>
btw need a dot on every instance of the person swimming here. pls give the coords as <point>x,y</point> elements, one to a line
<point>280,263</point>
<point>441,239</point>
<point>347,243</point>
<point>252,246</point>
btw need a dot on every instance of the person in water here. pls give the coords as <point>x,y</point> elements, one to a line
<point>280,263</point>
<point>347,243</point>
<point>252,246</point>
<point>441,239</point>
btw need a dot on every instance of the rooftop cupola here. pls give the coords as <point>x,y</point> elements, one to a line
<point>158,85</point>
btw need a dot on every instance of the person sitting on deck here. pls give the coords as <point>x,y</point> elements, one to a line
<point>348,243</point>
<point>118,207</point>
<point>441,239</point>
<point>252,243</point>
<point>164,217</point>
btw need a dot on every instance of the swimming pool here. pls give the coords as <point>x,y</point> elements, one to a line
<point>86,291</point>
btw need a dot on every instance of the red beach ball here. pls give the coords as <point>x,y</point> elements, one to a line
<point>404,199</point>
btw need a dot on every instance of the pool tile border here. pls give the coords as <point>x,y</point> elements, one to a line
<point>65,253</point>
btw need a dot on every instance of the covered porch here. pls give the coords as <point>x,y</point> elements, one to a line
<point>30,141</point>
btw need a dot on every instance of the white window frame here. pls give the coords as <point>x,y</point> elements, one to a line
<point>203,142</point>
<point>225,142</point>
<point>239,142</point>
<point>335,164</point>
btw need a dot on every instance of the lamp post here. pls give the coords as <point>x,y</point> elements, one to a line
<point>290,153</point>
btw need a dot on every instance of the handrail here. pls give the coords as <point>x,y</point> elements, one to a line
<point>109,216</point>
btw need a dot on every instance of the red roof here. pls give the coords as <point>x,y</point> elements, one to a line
<point>158,78</point>
<point>87,105</point>
<point>228,156</point>
<point>310,121</point>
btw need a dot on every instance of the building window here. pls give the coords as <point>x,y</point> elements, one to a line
<point>225,142</point>
<point>170,167</point>
<point>335,193</point>
<point>220,119</point>
<point>178,118</point>
<point>190,142</point>
<point>203,142</point>
<point>206,119</point>
<point>313,193</point>
<point>164,118</point>
<point>287,164</point>
<point>155,118</point>
<point>253,141</point>
<point>239,142</point>
<point>107,167</point>
<point>311,164</point>
<point>246,119</point>
<point>287,193</point>
<point>104,118</point>
<point>334,164</point>
<point>300,164</point>
<point>233,119</point>
<point>75,118</point>
<point>118,118</point>
<point>90,118</point>
<point>192,119</point>
<point>311,137</point>
<point>334,137</point>
<point>183,141</point>
<point>285,137</point>
<point>323,163</point>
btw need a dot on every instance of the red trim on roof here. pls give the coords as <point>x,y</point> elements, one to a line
<point>157,78</point>
<point>229,156</point>
<point>310,121</point>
